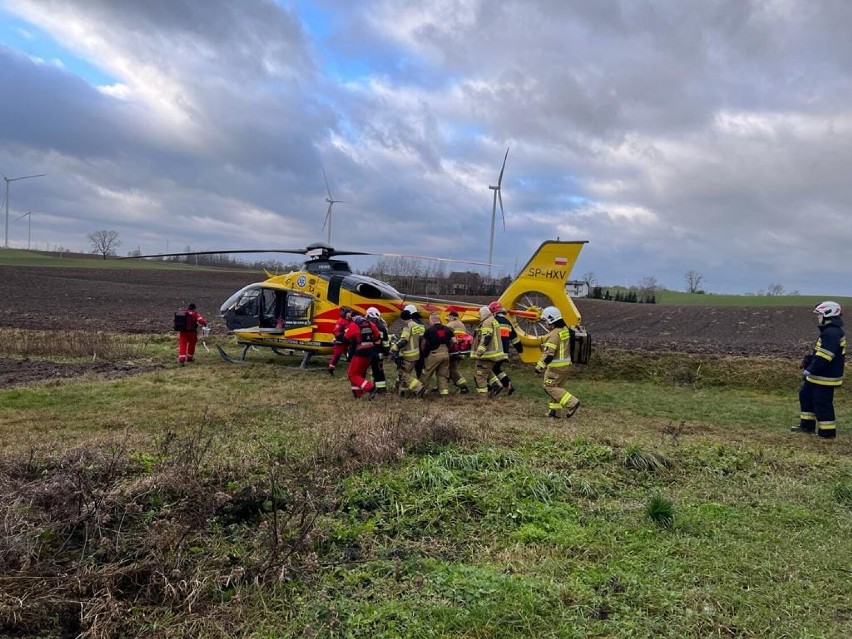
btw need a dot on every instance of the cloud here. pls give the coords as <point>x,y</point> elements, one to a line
<point>708,136</point>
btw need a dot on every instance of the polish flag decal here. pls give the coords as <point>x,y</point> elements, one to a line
<point>560,261</point>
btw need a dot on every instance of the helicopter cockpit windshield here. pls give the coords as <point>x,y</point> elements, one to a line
<point>267,309</point>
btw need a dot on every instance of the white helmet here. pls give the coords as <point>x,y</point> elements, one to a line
<point>411,308</point>
<point>551,315</point>
<point>373,312</point>
<point>484,313</point>
<point>828,309</point>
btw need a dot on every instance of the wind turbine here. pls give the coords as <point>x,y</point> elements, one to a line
<point>331,202</point>
<point>29,216</point>
<point>8,179</point>
<point>497,196</point>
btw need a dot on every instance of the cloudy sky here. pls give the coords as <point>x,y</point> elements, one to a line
<point>672,135</point>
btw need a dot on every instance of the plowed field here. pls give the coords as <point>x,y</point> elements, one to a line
<point>143,301</point>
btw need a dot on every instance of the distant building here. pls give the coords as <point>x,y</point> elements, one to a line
<point>464,283</point>
<point>577,288</point>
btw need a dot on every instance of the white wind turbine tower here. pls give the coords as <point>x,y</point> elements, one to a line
<point>497,196</point>
<point>331,202</point>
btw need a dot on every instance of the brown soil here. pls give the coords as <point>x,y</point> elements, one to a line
<point>20,372</point>
<point>143,301</point>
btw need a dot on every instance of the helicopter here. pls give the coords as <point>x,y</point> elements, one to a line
<point>296,311</point>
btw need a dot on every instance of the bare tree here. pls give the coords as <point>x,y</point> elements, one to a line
<point>649,284</point>
<point>104,242</point>
<point>590,278</point>
<point>775,289</point>
<point>693,281</point>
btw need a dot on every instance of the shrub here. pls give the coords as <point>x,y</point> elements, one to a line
<point>660,511</point>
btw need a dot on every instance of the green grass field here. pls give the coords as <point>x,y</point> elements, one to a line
<point>220,500</point>
<point>18,257</point>
<point>677,298</point>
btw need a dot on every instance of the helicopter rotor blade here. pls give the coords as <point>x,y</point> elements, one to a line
<point>221,252</point>
<point>435,259</point>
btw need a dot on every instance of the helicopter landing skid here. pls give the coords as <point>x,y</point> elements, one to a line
<point>306,356</point>
<point>231,360</point>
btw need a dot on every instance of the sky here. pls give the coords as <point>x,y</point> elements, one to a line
<point>712,136</point>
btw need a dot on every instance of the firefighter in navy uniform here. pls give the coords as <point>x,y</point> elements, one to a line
<point>377,364</point>
<point>554,362</point>
<point>822,373</point>
<point>339,346</point>
<point>510,339</point>
<point>362,335</point>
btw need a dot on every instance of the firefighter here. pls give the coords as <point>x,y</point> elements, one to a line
<point>510,339</point>
<point>405,351</point>
<point>487,351</point>
<point>339,345</point>
<point>822,373</point>
<point>554,362</point>
<point>362,334</point>
<point>459,347</point>
<point>435,348</point>
<point>187,321</point>
<point>380,350</point>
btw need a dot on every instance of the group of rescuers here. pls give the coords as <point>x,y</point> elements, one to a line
<point>422,351</point>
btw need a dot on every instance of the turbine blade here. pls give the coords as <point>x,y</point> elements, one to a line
<point>327,216</point>
<point>502,168</point>
<point>326,184</point>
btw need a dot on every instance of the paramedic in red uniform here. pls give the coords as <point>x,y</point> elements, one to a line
<point>339,346</point>
<point>189,335</point>
<point>363,335</point>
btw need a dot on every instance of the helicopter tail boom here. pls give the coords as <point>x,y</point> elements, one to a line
<point>539,284</point>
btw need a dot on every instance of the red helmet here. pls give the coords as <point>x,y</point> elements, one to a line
<point>495,307</point>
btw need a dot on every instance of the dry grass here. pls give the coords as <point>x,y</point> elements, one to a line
<point>103,528</point>
<point>71,343</point>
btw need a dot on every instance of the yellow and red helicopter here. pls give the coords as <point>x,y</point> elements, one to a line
<point>297,311</point>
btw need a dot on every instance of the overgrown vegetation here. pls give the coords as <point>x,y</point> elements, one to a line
<point>72,343</point>
<point>259,500</point>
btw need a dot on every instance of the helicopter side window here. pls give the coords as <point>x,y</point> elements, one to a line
<point>299,310</point>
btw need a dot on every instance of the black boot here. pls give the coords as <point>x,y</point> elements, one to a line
<point>804,428</point>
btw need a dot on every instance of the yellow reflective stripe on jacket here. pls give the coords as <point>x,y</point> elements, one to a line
<point>412,333</point>
<point>825,381</point>
<point>490,345</point>
<point>825,354</point>
<point>557,343</point>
